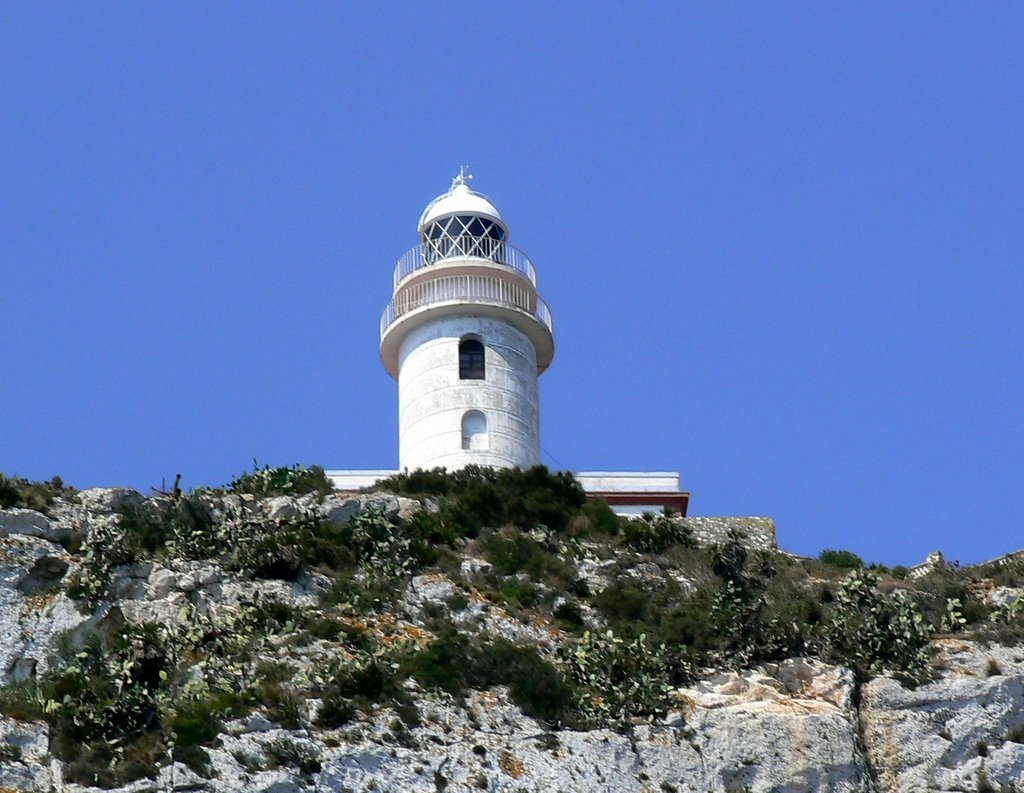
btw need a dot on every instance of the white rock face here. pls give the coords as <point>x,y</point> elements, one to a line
<point>30,523</point>
<point>763,738</point>
<point>397,509</point>
<point>797,726</point>
<point>956,734</point>
<point>32,609</point>
<point>26,743</point>
<point>109,499</point>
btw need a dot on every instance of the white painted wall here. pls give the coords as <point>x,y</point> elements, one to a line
<point>432,399</point>
<point>628,481</point>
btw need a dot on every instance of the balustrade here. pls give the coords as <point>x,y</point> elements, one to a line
<point>469,289</point>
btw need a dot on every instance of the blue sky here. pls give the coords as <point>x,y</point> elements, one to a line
<point>782,243</point>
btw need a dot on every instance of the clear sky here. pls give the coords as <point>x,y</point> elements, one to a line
<point>782,243</point>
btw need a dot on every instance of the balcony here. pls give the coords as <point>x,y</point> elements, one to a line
<point>465,248</point>
<point>456,289</point>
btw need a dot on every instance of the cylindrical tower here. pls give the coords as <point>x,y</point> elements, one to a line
<point>466,335</point>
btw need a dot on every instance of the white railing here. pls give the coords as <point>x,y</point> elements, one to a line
<point>437,251</point>
<point>469,289</point>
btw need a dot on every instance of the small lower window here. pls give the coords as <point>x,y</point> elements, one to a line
<point>474,431</point>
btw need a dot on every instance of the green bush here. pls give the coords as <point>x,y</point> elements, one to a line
<point>18,492</point>
<point>618,680</point>
<point>478,497</point>
<point>601,520</point>
<point>290,753</point>
<point>22,700</point>
<point>873,632</point>
<point>194,722</point>
<point>282,481</point>
<point>356,686</point>
<point>653,533</point>
<point>455,663</point>
<point>516,592</point>
<point>513,552</point>
<point>844,560</point>
<point>185,523</point>
<point>569,614</point>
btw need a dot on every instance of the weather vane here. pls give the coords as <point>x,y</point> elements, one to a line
<point>464,176</point>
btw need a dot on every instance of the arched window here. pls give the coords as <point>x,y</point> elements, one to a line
<point>471,359</point>
<point>474,431</point>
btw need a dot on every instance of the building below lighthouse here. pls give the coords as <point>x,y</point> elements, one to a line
<point>467,336</point>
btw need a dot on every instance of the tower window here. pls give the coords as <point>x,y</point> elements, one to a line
<point>474,431</point>
<point>471,359</point>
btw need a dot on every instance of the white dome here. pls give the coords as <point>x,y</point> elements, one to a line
<point>459,200</point>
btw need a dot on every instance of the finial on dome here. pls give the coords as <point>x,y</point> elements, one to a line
<point>464,177</point>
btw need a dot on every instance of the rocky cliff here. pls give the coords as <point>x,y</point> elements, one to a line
<point>251,641</point>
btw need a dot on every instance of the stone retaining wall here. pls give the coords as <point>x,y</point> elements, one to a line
<point>759,533</point>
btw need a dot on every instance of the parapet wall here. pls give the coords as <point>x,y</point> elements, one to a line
<point>758,533</point>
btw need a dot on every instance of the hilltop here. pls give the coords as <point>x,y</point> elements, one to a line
<point>482,630</point>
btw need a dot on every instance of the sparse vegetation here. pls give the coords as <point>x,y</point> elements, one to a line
<point>844,560</point>
<point>296,480</point>
<point>16,491</point>
<point>654,533</point>
<point>456,662</point>
<point>627,610</point>
<point>617,680</point>
<point>476,497</point>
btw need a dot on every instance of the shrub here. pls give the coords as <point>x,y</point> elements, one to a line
<point>513,552</point>
<point>185,523</point>
<point>948,600</point>
<point>568,612</point>
<point>363,591</point>
<point>194,722</point>
<point>18,492</point>
<point>22,700</point>
<point>618,680</point>
<point>359,685</point>
<point>873,632</point>
<point>477,497</point>
<point>729,559</point>
<point>282,481</point>
<point>378,545</point>
<point>600,518</point>
<point>844,560</point>
<point>653,533</point>
<point>517,592</point>
<point>455,663</point>
<point>300,755</point>
<point>241,540</point>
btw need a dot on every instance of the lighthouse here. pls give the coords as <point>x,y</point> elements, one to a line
<point>466,335</point>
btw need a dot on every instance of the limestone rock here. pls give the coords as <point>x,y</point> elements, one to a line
<point>338,509</point>
<point>32,608</point>
<point>793,726</point>
<point>471,568</point>
<point>956,733</point>
<point>30,523</point>
<point>109,499</point>
<point>283,508</point>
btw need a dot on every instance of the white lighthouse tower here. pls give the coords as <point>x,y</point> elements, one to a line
<point>466,335</point>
